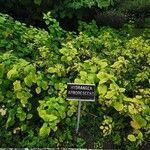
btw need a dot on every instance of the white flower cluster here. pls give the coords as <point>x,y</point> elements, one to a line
<point>3,111</point>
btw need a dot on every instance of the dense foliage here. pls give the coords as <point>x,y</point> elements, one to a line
<point>36,65</point>
<point>113,13</point>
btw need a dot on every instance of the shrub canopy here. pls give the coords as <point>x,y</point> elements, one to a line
<point>36,65</point>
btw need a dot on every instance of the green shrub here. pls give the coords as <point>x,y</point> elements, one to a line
<point>36,65</point>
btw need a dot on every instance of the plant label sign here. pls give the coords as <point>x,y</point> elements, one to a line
<point>81,92</point>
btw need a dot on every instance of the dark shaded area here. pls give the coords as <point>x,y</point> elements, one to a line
<point>32,14</point>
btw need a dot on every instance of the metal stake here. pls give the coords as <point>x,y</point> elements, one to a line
<point>78,117</point>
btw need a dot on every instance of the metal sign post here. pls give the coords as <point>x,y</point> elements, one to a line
<point>78,117</point>
<point>80,92</point>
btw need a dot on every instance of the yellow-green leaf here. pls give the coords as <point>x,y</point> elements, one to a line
<point>44,131</point>
<point>118,106</point>
<point>110,94</point>
<point>135,124</point>
<point>38,90</point>
<point>17,85</point>
<point>131,137</point>
<point>102,89</point>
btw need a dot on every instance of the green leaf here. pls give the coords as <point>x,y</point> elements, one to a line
<point>1,70</point>
<point>132,109</point>
<point>103,77</point>
<point>102,89</point>
<point>53,126</point>
<point>141,121</point>
<point>38,2</point>
<point>43,84</point>
<point>70,113</point>
<point>112,2</point>
<point>135,124</point>
<point>103,3</point>
<point>21,114</point>
<point>29,69</point>
<point>114,87</point>
<point>103,64</point>
<point>52,70</point>
<point>110,94</point>
<point>24,101</point>
<point>47,117</point>
<point>148,118</point>
<point>11,118</point>
<point>2,19</point>
<point>23,127</point>
<point>1,97</point>
<point>29,116</point>
<point>17,85</point>
<point>83,74</point>
<point>23,96</point>
<point>116,65</point>
<point>19,95</point>
<point>13,73</point>
<point>121,90</point>
<point>140,135</point>
<point>131,137</point>
<point>29,79</point>
<point>118,106</point>
<point>44,130</point>
<point>38,90</point>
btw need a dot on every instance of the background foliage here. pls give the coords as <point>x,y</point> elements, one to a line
<point>112,13</point>
<point>36,65</point>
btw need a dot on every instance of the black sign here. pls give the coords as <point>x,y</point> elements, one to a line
<point>82,92</point>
